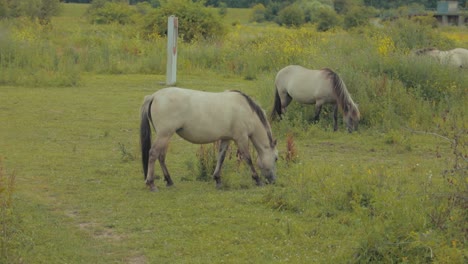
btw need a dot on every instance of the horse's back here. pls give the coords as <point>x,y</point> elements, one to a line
<point>304,85</point>
<point>461,57</point>
<point>198,116</point>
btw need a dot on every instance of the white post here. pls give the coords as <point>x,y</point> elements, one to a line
<point>172,34</point>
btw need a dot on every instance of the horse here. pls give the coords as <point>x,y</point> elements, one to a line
<point>205,117</point>
<point>456,57</point>
<point>317,87</point>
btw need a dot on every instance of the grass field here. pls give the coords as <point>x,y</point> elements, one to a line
<point>380,196</point>
<point>81,197</point>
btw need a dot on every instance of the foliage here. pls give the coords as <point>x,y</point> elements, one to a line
<point>206,161</point>
<point>291,16</point>
<point>328,19</point>
<point>43,10</point>
<point>107,12</point>
<point>258,13</point>
<point>27,57</point>
<point>357,17</point>
<point>195,21</point>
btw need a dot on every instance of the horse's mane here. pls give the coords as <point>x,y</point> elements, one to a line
<point>424,50</point>
<point>259,112</point>
<point>339,89</point>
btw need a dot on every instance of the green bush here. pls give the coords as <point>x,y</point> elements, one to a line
<point>195,21</point>
<point>206,161</point>
<point>110,12</point>
<point>409,34</point>
<point>327,19</point>
<point>258,13</point>
<point>291,15</point>
<point>42,10</point>
<point>357,17</point>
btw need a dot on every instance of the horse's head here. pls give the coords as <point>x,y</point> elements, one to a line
<point>351,116</point>
<point>266,161</point>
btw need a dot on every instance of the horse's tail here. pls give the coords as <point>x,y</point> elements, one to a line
<point>145,132</point>
<point>276,106</point>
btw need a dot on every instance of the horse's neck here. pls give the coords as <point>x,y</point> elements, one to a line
<point>260,138</point>
<point>344,96</point>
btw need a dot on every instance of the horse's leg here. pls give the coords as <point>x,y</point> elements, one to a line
<point>335,117</point>
<point>157,152</point>
<point>162,163</point>
<point>223,146</point>
<point>244,149</point>
<point>285,101</point>
<point>318,109</point>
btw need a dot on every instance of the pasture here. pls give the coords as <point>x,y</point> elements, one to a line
<point>72,187</point>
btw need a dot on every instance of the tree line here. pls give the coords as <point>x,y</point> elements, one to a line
<point>379,4</point>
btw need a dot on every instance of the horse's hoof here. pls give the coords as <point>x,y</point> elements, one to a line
<point>219,186</point>
<point>260,184</point>
<point>151,186</point>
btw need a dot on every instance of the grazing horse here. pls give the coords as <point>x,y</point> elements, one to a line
<point>205,117</point>
<point>308,86</point>
<point>456,57</point>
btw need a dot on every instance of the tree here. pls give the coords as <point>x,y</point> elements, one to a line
<point>291,15</point>
<point>34,9</point>
<point>195,20</point>
<point>327,19</point>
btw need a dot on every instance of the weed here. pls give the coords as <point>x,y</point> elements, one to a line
<point>291,151</point>
<point>125,155</point>
<point>206,157</point>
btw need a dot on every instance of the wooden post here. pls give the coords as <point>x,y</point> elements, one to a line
<point>172,34</point>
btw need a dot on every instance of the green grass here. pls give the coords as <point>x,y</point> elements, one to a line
<point>237,16</point>
<point>81,197</point>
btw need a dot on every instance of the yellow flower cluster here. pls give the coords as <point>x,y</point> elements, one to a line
<point>24,34</point>
<point>385,46</point>
<point>461,38</point>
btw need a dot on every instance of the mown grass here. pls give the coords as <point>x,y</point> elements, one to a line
<point>393,192</point>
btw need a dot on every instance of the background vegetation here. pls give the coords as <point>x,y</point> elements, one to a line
<point>71,188</point>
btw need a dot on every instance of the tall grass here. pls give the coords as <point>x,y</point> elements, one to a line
<point>374,62</point>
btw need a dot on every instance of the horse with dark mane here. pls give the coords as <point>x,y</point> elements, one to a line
<point>456,57</point>
<point>205,117</point>
<point>317,87</point>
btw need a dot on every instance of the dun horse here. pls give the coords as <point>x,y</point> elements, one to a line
<point>456,57</point>
<point>205,117</point>
<point>317,87</point>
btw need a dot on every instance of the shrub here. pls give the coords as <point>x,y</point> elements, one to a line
<point>327,19</point>
<point>195,21</point>
<point>258,13</point>
<point>42,10</point>
<point>291,15</point>
<point>357,16</point>
<point>206,165</point>
<point>409,34</point>
<point>110,12</point>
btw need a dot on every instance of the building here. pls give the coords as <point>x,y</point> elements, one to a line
<point>448,13</point>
